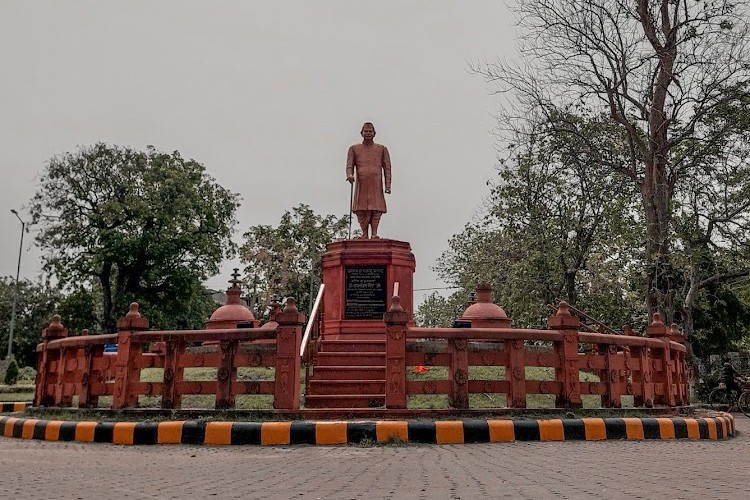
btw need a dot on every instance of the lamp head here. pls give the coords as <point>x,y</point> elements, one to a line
<point>14,211</point>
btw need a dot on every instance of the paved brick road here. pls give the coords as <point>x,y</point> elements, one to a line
<point>573,469</point>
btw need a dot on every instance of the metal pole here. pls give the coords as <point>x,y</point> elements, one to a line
<point>351,200</point>
<point>15,293</point>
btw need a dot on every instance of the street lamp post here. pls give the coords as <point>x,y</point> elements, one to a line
<point>15,293</point>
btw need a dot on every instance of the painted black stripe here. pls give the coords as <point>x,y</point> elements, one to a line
<point>719,429</point>
<point>526,430</point>
<point>193,432</point>
<point>6,407</point>
<point>680,428</point>
<point>702,428</point>
<point>421,431</point>
<point>651,428</point>
<point>18,428</point>
<point>40,430</point>
<point>302,432</point>
<point>574,429</point>
<point>356,432</point>
<point>103,432</point>
<point>145,433</point>
<point>67,431</point>
<point>2,425</point>
<point>615,428</point>
<point>476,431</point>
<point>246,433</point>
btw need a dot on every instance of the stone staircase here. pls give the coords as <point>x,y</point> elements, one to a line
<point>348,374</point>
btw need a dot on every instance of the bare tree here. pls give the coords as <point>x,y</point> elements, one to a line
<point>657,68</point>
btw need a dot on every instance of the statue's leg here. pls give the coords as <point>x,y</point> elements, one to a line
<point>374,222</point>
<point>363,217</point>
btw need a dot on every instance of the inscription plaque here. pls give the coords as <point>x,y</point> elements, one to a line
<point>365,296</point>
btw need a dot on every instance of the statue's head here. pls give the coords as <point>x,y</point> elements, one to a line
<point>368,131</point>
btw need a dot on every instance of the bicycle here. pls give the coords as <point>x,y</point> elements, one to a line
<point>726,400</point>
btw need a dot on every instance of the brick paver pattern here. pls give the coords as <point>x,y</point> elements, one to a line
<point>683,469</point>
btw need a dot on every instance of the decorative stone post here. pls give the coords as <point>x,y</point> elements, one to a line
<point>395,354</point>
<point>288,340</point>
<point>662,360</point>
<point>127,370</point>
<point>54,331</point>
<point>567,350</point>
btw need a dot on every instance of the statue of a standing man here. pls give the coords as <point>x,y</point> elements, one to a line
<point>369,163</point>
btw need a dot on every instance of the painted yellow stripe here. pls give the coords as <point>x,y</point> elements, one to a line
<point>692,428</point>
<point>634,428</point>
<point>28,428</point>
<point>19,406</point>
<point>123,433</point>
<point>330,433</point>
<point>52,432</point>
<point>169,432</point>
<point>275,433</point>
<point>449,432</point>
<point>501,431</point>
<point>8,431</point>
<point>85,432</point>
<point>551,430</point>
<point>218,433</point>
<point>388,430</point>
<point>595,429</point>
<point>725,423</point>
<point>711,428</point>
<point>666,428</point>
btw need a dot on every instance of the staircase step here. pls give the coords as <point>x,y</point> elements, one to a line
<point>346,387</point>
<point>348,372</point>
<point>352,345</point>
<point>344,401</point>
<point>350,359</point>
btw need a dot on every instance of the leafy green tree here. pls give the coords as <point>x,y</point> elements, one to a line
<point>134,225</point>
<point>658,70</point>
<point>11,373</point>
<point>552,225</point>
<point>36,305</point>
<point>439,312</point>
<point>286,259</point>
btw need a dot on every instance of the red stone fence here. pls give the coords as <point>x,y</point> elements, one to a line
<point>651,369</point>
<point>78,366</point>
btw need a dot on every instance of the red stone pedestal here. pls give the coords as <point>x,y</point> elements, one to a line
<point>391,257</point>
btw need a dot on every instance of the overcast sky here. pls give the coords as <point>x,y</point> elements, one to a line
<point>268,95</point>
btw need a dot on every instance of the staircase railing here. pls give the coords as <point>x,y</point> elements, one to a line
<point>312,332</point>
<point>311,321</point>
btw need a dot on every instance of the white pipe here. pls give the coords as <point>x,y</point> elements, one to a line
<point>395,289</point>
<point>311,320</point>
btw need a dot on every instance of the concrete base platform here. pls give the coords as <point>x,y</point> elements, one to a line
<point>333,432</point>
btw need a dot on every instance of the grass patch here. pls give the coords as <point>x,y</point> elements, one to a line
<point>16,397</point>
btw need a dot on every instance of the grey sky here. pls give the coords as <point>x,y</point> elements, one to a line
<point>267,94</point>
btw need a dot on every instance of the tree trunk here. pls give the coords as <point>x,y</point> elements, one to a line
<point>109,324</point>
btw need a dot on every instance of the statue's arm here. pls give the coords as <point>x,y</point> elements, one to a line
<point>387,169</point>
<point>350,165</point>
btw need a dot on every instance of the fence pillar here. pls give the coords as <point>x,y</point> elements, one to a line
<point>288,340</point>
<point>395,354</point>
<point>226,374</point>
<point>515,373</point>
<point>173,374</point>
<point>680,371</point>
<point>658,330</point>
<point>84,398</point>
<point>54,331</point>
<point>567,350</point>
<point>127,370</point>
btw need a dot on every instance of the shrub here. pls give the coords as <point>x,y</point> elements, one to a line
<point>27,375</point>
<point>11,374</point>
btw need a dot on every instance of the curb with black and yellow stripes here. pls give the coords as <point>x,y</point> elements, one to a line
<point>357,432</point>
